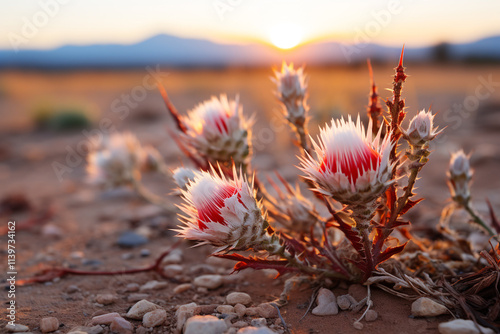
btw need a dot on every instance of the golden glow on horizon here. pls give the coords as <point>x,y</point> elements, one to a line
<point>286,35</point>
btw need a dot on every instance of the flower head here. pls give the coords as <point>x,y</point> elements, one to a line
<point>182,176</point>
<point>291,91</point>
<point>115,161</point>
<point>217,129</point>
<point>421,129</point>
<point>349,165</point>
<point>459,177</point>
<point>222,212</point>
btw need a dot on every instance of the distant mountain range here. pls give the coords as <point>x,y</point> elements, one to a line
<point>174,51</point>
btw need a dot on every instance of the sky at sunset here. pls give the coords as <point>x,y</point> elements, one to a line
<point>43,24</point>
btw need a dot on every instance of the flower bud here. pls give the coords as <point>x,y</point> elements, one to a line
<point>182,176</point>
<point>421,129</point>
<point>291,90</point>
<point>217,130</point>
<point>222,212</point>
<point>459,177</point>
<point>115,162</point>
<point>349,165</point>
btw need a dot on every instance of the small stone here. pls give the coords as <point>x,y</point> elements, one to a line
<point>371,315</point>
<point>49,324</point>
<point>201,269</point>
<point>426,307</point>
<point>460,326</point>
<point>121,326</point>
<point>206,324</point>
<point>135,297</point>
<point>173,270</point>
<point>86,330</point>
<point>259,322</point>
<point>127,256</point>
<point>267,310</point>
<point>240,324</point>
<point>145,252</point>
<point>208,309</point>
<point>132,287</point>
<point>208,281</point>
<point>252,311</point>
<point>184,312</point>
<point>225,309</point>
<point>51,231</point>
<point>345,302</point>
<point>175,257</point>
<point>256,330</point>
<point>104,319</point>
<point>77,255</point>
<point>154,318</point>
<point>202,290</point>
<point>239,298</point>
<point>357,291</point>
<point>140,308</point>
<point>106,298</point>
<point>358,325</point>
<point>153,285</point>
<point>182,288</point>
<point>327,303</point>
<point>141,330</point>
<point>240,310</point>
<point>17,328</point>
<point>130,239</point>
<point>72,289</point>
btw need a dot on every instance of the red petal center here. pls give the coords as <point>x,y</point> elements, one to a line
<point>352,164</point>
<point>211,210</point>
<point>221,123</point>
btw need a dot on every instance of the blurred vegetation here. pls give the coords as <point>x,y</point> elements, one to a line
<point>47,116</point>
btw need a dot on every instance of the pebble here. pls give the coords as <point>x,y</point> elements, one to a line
<point>52,231</point>
<point>140,308</point>
<point>238,298</point>
<point>460,326</point>
<point>77,255</point>
<point>371,315</point>
<point>154,318</point>
<point>130,239</point>
<point>225,309</point>
<point>182,288</point>
<point>202,290</point>
<point>86,330</point>
<point>202,268</point>
<point>121,326</point>
<point>207,309</point>
<point>17,328</point>
<point>106,298</point>
<point>252,311</point>
<point>357,291</point>
<point>135,297</point>
<point>240,324</point>
<point>327,303</point>
<point>207,324</point>
<point>132,287</point>
<point>153,285</point>
<point>208,281</point>
<point>145,252</point>
<point>172,270</point>
<point>240,310</point>
<point>267,310</point>
<point>175,257</point>
<point>426,307</point>
<point>127,256</point>
<point>256,330</point>
<point>104,319</point>
<point>259,322</point>
<point>72,289</point>
<point>345,302</point>
<point>184,312</point>
<point>49,324</point>
<point>358,325</point>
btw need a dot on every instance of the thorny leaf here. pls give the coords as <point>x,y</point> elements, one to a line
<point>257,263</point>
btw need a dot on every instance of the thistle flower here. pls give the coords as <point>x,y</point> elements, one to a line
<point>182,176</point>
<point>421,130</point>
<point>459,177</point>
<point>291,91</point>
<point>349,165</point>
<point>116,161</point>
<point>223,212</point>
<point>217,129</point>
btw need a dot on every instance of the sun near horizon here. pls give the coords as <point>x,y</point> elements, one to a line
<point>286,35</point>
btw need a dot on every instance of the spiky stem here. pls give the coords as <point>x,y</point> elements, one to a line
<point>478,220</point>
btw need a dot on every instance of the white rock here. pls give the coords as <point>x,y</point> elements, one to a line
<point>182,288</point>
<point>240,310</point>
<point>460,326</point>
<point>173,270</point>
<point>208,281</point>
<point>154,318</point>
<point>225,309</point>
<point>121,326</point>
<point>207,324</point>
<point>327,303</point>
<point>259,322</point>
<point>104,319</point>
<point>140,308</point>
<point>240,324</point>
<point>371,315</point>
<point>132,287</point>
<point>184,312</point>
<point>106,298</point>
<point>426,307</point>
<point>17,328</point>
<point>256,330</point>
<point>49,324</point>
<point>239,298</point>
<point>153,285</point>
<point>266,310</point>
<point>345,302</point>
<point>135,297</point>
<point>175,257</point>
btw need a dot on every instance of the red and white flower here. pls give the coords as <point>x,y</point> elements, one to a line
<point>217,129</point>
<point>350,166</point>
<point>222,212</point>
<point>115,161</point>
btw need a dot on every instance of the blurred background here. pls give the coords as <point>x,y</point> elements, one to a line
<point>71,71</point>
